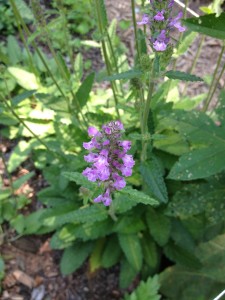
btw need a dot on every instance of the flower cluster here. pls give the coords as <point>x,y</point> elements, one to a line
<point>109,159</point>
<point>161,23</point>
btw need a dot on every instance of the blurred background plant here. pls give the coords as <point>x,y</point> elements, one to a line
<point>169,220</point>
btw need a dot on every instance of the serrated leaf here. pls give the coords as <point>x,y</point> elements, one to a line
<point>152,175</point>
<point>124,75</point>
<point>182,76</point>
<point>84,90</point>
<point>146,290</point>
<point>131,246</point>
<point>209,25</point>
<point>79,179</point>
<point>139,197</point>
<point>74,256</point>
<point>84,214</point>
<point>159,226</point>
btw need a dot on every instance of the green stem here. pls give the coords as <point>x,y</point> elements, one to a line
<point>215,86</point>
<point>23,39</point>
<point>8,175</point>
<point>135,29</point>
<point>145,117</point>
<point>67,33</point>
<point>114,60</point>
<point>108,67</point>
<point>214,81</point>
<point>195,61</point>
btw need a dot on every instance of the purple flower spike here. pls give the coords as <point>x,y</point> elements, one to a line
<point>145,20</point>
<point>109,159</point>
<point>161,23</point>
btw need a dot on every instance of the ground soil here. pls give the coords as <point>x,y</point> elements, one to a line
<point>32,267</point>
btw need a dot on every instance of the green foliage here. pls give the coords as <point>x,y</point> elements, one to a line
<point>74,256</point>
<point>159,226</point>
<point>131,246</point>
<point>182,76</point>
<point>153,177</point>
<point>210,25</point>
<point>146,290</point>
<point>172,208</point>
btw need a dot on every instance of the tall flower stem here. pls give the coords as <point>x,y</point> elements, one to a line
<point>34,45</point>
<point>215,86</point>
<point>144,121</point>
<point>105,55</point>
<point>195,61</point>
<point>181,33</point>
<point>214,81</point>
<point>135,29</point>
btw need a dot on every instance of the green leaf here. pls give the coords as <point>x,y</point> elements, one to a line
<point>209,25</point>
<point>78,67</point>
<point>208,281</point>
<point>181,283</point>
<point>13,50</point>
<point>19,98</point>
<point>186,42</point>
<point>19,154</point>
<point>84,214</point>
<point>139,197</point>
<point>129,224</point>
<point>111,253</point>
<point>95,258</point>
<point>182,256</point>
<point>24,10</point>
<point>24,78</point>
<point>74,256</point>
<point>150,252</point>
<point>17,183</point>
<point>131,246</point>
<point>159,226</point>
<point>84,90</point>
<point>152,175</point>
<point>146,290</point>
<point>127,274</point>
<point>182,76</point>
<point>124,75</point>
<point>200,163</point>
<point>79,179</point>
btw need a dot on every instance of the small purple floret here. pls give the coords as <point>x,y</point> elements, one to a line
<point>109,159</point>
<point>159,16</point>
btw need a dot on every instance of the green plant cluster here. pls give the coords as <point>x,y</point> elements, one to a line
<point>167,225</point>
